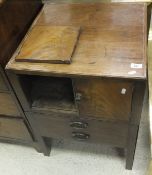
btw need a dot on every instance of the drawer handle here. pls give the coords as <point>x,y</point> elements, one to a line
<point>78,96</point>
<point>80,136</point>
<point>79,125</point>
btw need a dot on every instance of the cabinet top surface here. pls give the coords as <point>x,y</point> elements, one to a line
<point>112,43</point>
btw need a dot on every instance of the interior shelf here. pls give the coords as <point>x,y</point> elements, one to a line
<point>49,93</point>
<point>56,93</point>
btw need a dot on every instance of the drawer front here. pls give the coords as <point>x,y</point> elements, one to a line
<point>3,86</point>
<point>69,127</point>
<point>14,129</point>
<point>7,105</point>
<point>101,98</point>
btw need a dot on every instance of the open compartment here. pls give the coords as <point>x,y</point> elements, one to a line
<point>48,93</point>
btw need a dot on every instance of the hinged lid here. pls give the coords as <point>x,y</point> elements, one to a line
<point>49,44</point>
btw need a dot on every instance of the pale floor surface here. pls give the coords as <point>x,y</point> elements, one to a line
<point>74,158</point>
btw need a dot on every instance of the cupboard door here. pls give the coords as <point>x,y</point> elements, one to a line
<point>106,99</point>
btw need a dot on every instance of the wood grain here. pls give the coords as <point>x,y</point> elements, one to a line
<point>112,37</point>
<point>104,99</point>
<point>49,44</point>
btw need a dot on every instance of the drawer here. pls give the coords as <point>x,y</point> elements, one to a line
<point>3,86</point>
<point>68,127</point>
<point>104,98</point>
<point>14,129</point>
<point>7,105</point>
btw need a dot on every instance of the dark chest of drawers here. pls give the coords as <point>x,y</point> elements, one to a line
<point>15,19</point>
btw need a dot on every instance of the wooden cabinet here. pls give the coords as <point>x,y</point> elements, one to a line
<point>98,97</point>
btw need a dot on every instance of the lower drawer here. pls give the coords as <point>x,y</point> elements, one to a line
<point>68,127</point>
<point>14,129</point>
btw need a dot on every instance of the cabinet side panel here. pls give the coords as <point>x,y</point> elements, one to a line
<point>16,17</point>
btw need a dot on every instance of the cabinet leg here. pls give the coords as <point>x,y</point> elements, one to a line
<point>37,147</point>
<point>45,149</point>
<point>131,145</point>
<point>42,145</point>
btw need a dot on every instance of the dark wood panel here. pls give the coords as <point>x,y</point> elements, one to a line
<point>15,17</point>
<point>3,86</point>
<point>103,98</point>
<point>8,106</point>
<point>66,126</point>
<point>14,128</point>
